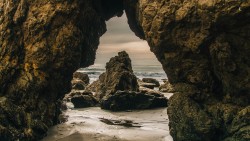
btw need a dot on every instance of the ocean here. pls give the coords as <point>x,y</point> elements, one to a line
<point>141,71</point>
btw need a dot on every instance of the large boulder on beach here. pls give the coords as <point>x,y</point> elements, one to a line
<point>118,76</point>
<point>127,100</point>
<point>151,80</point>
<point>82,76</point>
<point>81,99</point>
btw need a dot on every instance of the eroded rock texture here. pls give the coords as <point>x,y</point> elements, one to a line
<point>42,42</point>
<point>118,76</point>
<point>204,47</point>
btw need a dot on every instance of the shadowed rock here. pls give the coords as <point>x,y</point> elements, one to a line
<point>151,80</point>
<point>81,99</point>
<point>81,76</point>
<point>166,87</point>
<point>127,100</point>
<point>41,44</point>
<point>203,47</point>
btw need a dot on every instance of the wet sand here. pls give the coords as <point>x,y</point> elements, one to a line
<point>95,124</point>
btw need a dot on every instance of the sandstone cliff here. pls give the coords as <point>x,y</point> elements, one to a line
<point>204,47</point>
<point>42,42</point>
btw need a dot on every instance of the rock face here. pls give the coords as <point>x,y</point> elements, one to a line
<point>125,100</point>
<point>118,76</point>
<point>166,87</point>
<point>204,48</point>
<point>78,84</point>
<point>41,44</point>
<point>81,76</point>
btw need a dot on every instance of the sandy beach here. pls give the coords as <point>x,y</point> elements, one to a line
<point>86,124</point>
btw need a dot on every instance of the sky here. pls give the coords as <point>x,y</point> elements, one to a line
<point>119,37</point>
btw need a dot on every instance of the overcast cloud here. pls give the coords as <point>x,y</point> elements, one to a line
<point>119,37</point>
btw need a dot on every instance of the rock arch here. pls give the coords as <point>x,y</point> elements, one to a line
<point>202,45</point>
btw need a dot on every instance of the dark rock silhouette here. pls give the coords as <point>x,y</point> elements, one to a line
<point>81,99</point>
<point>127,100</point>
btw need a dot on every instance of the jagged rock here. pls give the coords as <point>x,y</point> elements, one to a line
<point>151,80</point>
<point>78,84</point>
<point>127,100</point>
<point>93,87</point>
<point>118,76</point>
<point>201,46</point>
<point>166,87</point>
<point>41,44</point>
<point>81,99</point>
<point>81,76</point>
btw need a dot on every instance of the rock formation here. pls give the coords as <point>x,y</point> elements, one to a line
<point>83,100</point>
<point>118,76</point>
<point>81,76</point>
<point>41,44</point>
<point>127,100</point>
<point>204,47</point>
<point>166,87</point>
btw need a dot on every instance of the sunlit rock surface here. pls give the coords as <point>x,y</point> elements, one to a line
<point>41,44</point>
<point>118,76</point>
<point>204,48</point>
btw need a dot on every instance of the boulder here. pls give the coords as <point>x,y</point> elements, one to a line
<point>127,100</point>
<point>82,76</point>
<point>78,84</point>
<point>166,87</point>
<point>81,99</point>
<point>118,76</point>
<point>151,80</point>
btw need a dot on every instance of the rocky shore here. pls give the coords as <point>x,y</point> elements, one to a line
<point>116,89</point>
<point>203,46</point>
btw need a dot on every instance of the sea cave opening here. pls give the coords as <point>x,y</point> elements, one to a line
<point>131,123</point>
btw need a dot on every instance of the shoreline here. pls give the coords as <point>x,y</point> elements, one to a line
<point>85,124</point>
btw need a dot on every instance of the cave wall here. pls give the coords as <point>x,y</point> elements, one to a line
<point>42,42</point>
<point>204,47</point>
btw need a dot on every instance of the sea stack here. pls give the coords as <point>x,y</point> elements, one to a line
<point>118,76</point>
